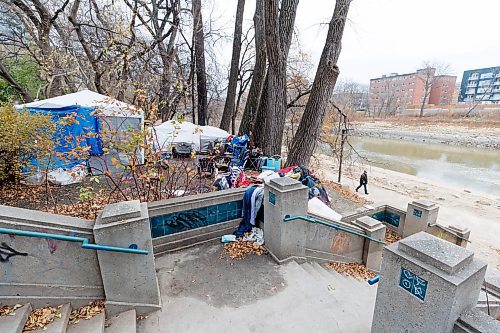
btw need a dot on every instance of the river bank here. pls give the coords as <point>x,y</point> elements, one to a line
<point>480,212</point>
<point>468,134</point>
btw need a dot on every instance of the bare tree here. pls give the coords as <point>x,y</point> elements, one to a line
<point>259,72</point>
<point>429,75</point>
<point>199,54</point>
<point>233,73</point>
<point>270,118</point>
<point>304,142</point>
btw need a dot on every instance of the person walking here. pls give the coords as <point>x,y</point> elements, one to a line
<point>363,180</point>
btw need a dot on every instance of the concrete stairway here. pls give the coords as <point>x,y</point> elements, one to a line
<point>348,302</point>
<point>124,322</point>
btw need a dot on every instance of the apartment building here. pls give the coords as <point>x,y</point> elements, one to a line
<point>481,86</point>
<point>397,91</point>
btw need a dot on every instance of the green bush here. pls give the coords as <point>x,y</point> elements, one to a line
<point>23,136</point>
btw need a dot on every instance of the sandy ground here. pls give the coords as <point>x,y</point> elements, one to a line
<point>467,134</point>
<point>480,212</point>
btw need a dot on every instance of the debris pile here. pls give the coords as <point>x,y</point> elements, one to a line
<point>40,318</point>
<point>86,312</point>
<point>391,236</point>
<point>241,248</point>
<point>6,310</point>
<point>355,270</point>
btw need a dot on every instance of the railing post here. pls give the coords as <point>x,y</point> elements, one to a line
<point>129,280</point>
<point>372,251</point>
<point>426,283</point>
<point>284,240</point>
<point>419,215</point>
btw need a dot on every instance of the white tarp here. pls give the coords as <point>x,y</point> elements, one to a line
<point>109,106</point>
<point>316,207</point>
<point>174,132</point>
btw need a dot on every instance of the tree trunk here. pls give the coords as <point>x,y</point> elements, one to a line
<point>233,73</point>
<point>4,74</point>
<point>422,107</point>
<point>259,72</point>
<point>304,142</point>
<point>199,54</point>
<point>279,34</point>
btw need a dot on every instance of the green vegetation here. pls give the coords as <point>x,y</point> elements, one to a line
<point>25,71</point>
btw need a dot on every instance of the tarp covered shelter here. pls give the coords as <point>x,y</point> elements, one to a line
<point>114,115</point>
<point>173,132</point>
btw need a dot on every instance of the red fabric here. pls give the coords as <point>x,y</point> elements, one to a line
<point>287,170</point>
<point>246,182</point>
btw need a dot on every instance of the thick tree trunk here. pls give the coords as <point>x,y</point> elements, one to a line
<point>233,73</point>
<point>199,54</point>
<point>259,72</point>
<point>304,142</point>
<point>270,117</point>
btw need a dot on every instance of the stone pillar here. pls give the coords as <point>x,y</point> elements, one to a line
<point>418,216</point>
<point>372,251</point>
<point>284,240</point>
<point>425,284</point>
<point>129,279</point>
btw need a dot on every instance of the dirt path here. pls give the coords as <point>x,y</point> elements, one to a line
<point>480,212</point>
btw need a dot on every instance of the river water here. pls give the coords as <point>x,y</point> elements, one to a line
<point>457,166</point>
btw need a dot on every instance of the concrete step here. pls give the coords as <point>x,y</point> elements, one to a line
<point>124,322</point>
<point>319,303</point>
<point>92,325</point>
<point>149,324</point>
<point>354,298</point>
<point>15,322</point>
<point>60,324</point>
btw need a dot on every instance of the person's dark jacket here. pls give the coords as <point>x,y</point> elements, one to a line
<point>363,179</point>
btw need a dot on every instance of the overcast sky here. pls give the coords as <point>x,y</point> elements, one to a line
<point>385,36</point>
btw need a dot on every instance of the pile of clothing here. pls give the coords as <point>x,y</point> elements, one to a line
<point>303,175</point>
<point>235,177</point>
<point>252,204</point>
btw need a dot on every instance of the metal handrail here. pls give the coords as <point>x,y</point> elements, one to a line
<point>312,220</point>
<point>85,242</point>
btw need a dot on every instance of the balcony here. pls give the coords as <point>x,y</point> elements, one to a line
<point>472,85</point>
<point>496,83</point>
<point>473,78</point>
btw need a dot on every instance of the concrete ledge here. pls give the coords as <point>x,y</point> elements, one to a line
<point>41,301</point>
<point>173,205</point>
<point>114,308</point>
<point>476,321</point>
<point>54,290</point>
<point>35,217</point>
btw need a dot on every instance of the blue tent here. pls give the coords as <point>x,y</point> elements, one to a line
<point>84,131</point>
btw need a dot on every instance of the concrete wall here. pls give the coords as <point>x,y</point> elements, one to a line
<point>198,235</point>
<point>49,270</point>
<point>393,217</point>
<point>329,244</point>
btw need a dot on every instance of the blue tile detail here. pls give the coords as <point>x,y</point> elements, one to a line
<point>417,213</point>
<point>195,218</point>
<point>387,217</point>
<point>272,198</point>
<point>413,284</point>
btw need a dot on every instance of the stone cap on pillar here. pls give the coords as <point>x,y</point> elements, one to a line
<point>436,252</point>
<point>284,184</point>
<point>367,222</point>
<point>424,204</point>
<point>120,211</point>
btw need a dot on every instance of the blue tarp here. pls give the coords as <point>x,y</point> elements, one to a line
<point>84,131</point>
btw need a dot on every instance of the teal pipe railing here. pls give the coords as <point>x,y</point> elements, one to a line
<point>84,241</point>
<point>313,220</point>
